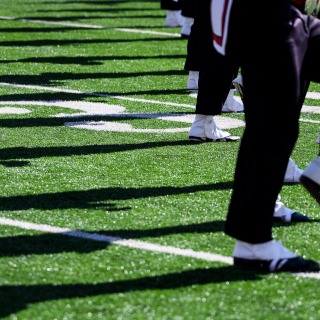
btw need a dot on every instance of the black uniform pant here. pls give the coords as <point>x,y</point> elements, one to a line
<point>216,72</point>
<point>277,67</point>
<point>170,5</point>
<point>187,7</point>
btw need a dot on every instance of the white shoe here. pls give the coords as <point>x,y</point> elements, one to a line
<point>186,27</point>
<point>310,178</point>
<point>238,84</point>
<point>293,173</point>
<point>262,251</point>
<point>231,104</point>
<point>204,129</point>
<point>193,79</point>
<point>173,18</point>
<point>270,256</point>
<point>283,214</point>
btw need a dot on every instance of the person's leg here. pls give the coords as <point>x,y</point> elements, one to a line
<point>232,104</point>
<point>173,12</point>
<point>199,39</point>
<point>293,172</point>
<point>193,57</point>
<point>214,82</point>
<point>263,154</point>
<point>174,5</point>
<point>188,8</point>
<point>214,85</point>
<point>310,178</point>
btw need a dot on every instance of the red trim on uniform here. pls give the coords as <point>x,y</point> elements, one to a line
<point>217,39</point>
<point>299,2</point>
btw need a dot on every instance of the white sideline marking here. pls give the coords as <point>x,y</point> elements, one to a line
<point>310,121</point>
<point>211,257</point>
<point>313,95</point>
<point>94,94</point>
<point>118,127</point>
<point>309,109</point>
<point>310,95</point>
<point>148,32</point>
<point>9,110</point>
<point>119,241</point>
<point>90,108</point>
<point>91,26</point>
<point>105,110</point>
<point>65,23</point>
<point>222,122</point>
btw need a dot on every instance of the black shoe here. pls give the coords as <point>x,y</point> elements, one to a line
<point>310,178</point>
<point>312,187</point>
<point>226,139</point>
<point>295,217</point>
<point>184,36</point>
<point>299,217</point>
<point>297,264</point>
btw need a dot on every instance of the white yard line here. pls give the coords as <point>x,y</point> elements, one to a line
<point>119,241</point>
<point>310,95</point>
<point>92,26</point>
<point>43,88</point>
<point>211,257</point>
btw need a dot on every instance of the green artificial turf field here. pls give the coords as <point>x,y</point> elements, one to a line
<point>107,211</point>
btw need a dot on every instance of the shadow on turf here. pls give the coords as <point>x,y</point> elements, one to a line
<point>56,78</point>
<point>100,199</point>
<point>58,151</point>
<point>17,163</point>
<point>22,245</point>
<point>106,199</point>
<point>15,298</point>
<point>70,42</point>
<point>60,121</point>
<point>81,60</point>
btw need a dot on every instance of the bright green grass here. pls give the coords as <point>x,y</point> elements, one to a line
<point>153,187</point>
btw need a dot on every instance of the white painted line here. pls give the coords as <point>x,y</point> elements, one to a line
<point>118,127</point>
<point>43,88</point>
<point>158,33</point>
<point>91,26</point>
<point>9,110</point>
<point>90,108</point>
<point>119,241</point>
<point>310,121</point>
<point>103,109</point>
<point>310,109</point>
<point>63,23</point>
<point>307,109</point>
<point>211,257</point>
<point>313,95</point>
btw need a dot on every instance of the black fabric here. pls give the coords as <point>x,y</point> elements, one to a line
<point>188,8</point>
<point>297,264</point>
<point>274,60</point>
<point>170,5</point>
<point>215,71</point>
